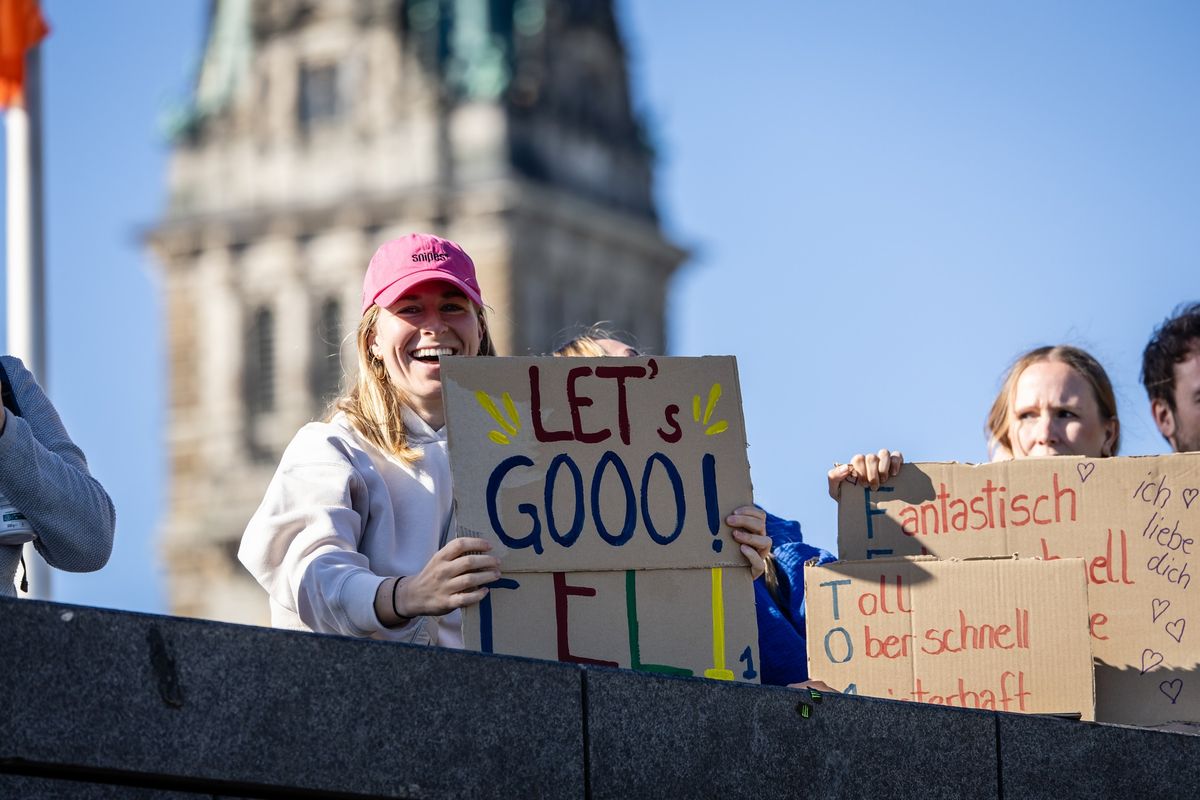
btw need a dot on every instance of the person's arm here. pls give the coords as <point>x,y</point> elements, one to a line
<point>782,639</point>
<point>302,546</point>
<point>45,475</point>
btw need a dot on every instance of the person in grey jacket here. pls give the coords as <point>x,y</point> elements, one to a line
<point>45,478</point>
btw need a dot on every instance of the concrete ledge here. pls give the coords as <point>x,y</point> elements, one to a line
<point>25,786</point>
<point>686,737</point>
<point>227,706</point>
<point>105,704</point>
<point>1053,759</point>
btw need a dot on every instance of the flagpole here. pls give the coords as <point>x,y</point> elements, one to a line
<point>26,286</point>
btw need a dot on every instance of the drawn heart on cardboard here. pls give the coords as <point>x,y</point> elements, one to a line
<point>1171,689</point>
<point>1179,624</point>
<point>1085,470</point>
<point>852,480</point>
<point>1160,608</point>
<point>1150,659</point>
<point>1189,495</point>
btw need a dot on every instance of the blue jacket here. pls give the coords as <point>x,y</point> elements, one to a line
<point>782,646</point>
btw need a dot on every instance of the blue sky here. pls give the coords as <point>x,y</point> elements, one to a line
<point>886,203</point>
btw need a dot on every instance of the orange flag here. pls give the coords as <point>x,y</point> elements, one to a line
<point>21,27</point>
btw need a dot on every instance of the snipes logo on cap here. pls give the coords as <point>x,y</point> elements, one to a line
<point>434,256</point>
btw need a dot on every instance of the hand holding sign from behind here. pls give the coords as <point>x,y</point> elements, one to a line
<point>871,468</point>
<point>456,576</point>
<point>749,525</point>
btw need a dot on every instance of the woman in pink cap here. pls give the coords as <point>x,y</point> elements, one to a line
<point>353,535</point>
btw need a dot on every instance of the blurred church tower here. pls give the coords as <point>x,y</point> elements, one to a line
<point>319,129</point>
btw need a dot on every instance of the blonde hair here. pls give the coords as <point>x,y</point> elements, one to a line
<point>587,344</point>
<point>999,419</point>
<point>373,404</point>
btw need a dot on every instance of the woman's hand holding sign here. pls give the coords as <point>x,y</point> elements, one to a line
<point>455,577</point>
<point>749,525</point>
<point>871,468</point>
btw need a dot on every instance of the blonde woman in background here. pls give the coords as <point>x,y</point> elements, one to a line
<point>596,342</point>
<point>1054,401</point>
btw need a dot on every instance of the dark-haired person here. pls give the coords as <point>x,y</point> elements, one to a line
<point>48,495</point>
<point>1171,375</point>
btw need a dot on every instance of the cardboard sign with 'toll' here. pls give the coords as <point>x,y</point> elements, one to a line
<point>996,634</point>
<point>1135,521</point>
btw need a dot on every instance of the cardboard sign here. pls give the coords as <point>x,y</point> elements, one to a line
<point>1002,634</point>
<point>598,463</point>
<point>1134,521</point>
<point>603,485</point>
<point>671,621</point>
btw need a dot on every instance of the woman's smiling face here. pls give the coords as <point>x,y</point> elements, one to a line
<point>432,320</point>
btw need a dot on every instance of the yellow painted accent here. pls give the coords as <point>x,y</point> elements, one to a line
<point>717,427</point>
<point>485,400</point>
<point>718,671</point>
<point>714,395</point>
<point>696,407</point>
<point>512,413</point>
<point>498,437</point>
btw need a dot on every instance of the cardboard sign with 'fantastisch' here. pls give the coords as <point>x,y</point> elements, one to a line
<point>997,634</point>
<point>1134,521</point>
<point>603,485</point>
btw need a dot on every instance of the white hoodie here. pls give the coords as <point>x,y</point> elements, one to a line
<point>339,517</point>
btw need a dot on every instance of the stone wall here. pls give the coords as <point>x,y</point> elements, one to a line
<point>106,704</point>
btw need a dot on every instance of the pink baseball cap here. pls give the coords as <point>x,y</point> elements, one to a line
<point>401,264</point>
